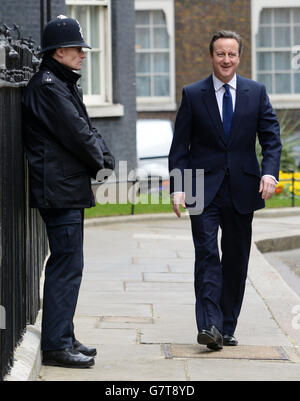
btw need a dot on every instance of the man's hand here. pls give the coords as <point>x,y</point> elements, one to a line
<point>267,187</point>
<point>178,198</point>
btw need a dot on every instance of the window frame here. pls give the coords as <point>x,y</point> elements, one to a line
<point>161,103</point>
<point>279,101</point>
<point>101,105</point>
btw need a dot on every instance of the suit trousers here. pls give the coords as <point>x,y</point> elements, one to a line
<point>63,274</point>
<point>220,281</point>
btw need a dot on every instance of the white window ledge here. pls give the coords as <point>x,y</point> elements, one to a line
<point>105,110</point>
<point>156,107</point>
<point>285,101</point>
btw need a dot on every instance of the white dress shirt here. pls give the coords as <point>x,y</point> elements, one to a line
<point>220,90</point>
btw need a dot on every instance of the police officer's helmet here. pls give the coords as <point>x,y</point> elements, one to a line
<point>62,32</point>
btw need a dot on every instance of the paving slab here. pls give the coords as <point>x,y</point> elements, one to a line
<point>120,309</point>
<point>169,277</point>
<point>112,275</point>
<point>99,267</point>
<point>287,263</point>
<point>95,299</point>
<point>173,287</point>
<point>136,306</point>
<point>101,285</point>
<point>242,370</point>
<point>149,369</point>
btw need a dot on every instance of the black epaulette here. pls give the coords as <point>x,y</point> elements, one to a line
<point>48,78</point>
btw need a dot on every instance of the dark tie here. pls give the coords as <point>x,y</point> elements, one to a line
<point>227,111</point>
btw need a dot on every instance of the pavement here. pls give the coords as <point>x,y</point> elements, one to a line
<point>136,306</point>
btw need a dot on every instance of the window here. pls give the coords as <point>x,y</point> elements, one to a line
<point>152,54</point>
<point>276,40</point>
<point>96,80</point>
<point>279,32</point>
<point>155,58</point>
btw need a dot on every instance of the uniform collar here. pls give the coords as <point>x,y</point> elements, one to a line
<point>61,71</point>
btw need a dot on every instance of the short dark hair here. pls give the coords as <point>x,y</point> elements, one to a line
<point>226,35</point>
<point>48,54</point>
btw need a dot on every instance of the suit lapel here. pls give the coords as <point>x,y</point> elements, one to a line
<point>241,103</point>
<point>210,100</point>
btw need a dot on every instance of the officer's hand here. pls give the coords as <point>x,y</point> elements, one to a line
<point>178,198</point>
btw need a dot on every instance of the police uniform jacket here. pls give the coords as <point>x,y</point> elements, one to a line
<point>63,149</point>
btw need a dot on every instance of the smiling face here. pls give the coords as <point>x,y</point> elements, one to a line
<point>71,57</point>
<point>225,59</point>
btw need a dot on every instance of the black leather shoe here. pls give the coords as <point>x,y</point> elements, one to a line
<point>67,358</point>
<point>211,337</point>
<point>88,351</point>
<point>230,341</point>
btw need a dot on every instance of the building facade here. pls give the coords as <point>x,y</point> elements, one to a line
<point>108,76</point>
<point>270,30</point>
<point>145,51</point>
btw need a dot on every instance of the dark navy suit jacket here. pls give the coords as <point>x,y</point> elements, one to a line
<point>199,141</point>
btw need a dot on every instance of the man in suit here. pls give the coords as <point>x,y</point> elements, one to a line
<point>215,130</point>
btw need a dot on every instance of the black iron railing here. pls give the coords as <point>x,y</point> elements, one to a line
<point>42,14</point>
<point>145,185</point>
<point>23,241</point>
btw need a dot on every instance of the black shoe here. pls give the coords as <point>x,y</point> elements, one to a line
<point>230,341</point>
<point>67,358</point>
<point>211,337</point>
<point>88,351</point>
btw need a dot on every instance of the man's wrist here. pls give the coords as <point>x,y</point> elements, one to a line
<point>272,176</point>
<point>177,192</point>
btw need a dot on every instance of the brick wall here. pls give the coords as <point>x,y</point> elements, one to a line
<point>119,133</point>
<point>195,23</point>
<point>26,14</point>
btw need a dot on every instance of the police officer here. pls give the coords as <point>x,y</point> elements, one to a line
<point>64,152</point>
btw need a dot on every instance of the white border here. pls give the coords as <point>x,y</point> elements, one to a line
<point>88,2</point>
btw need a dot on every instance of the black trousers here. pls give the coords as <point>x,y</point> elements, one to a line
<point>220,281</point>
<point>63,276</point>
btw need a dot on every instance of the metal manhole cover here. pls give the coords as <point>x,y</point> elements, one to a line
<point>256,352</point>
